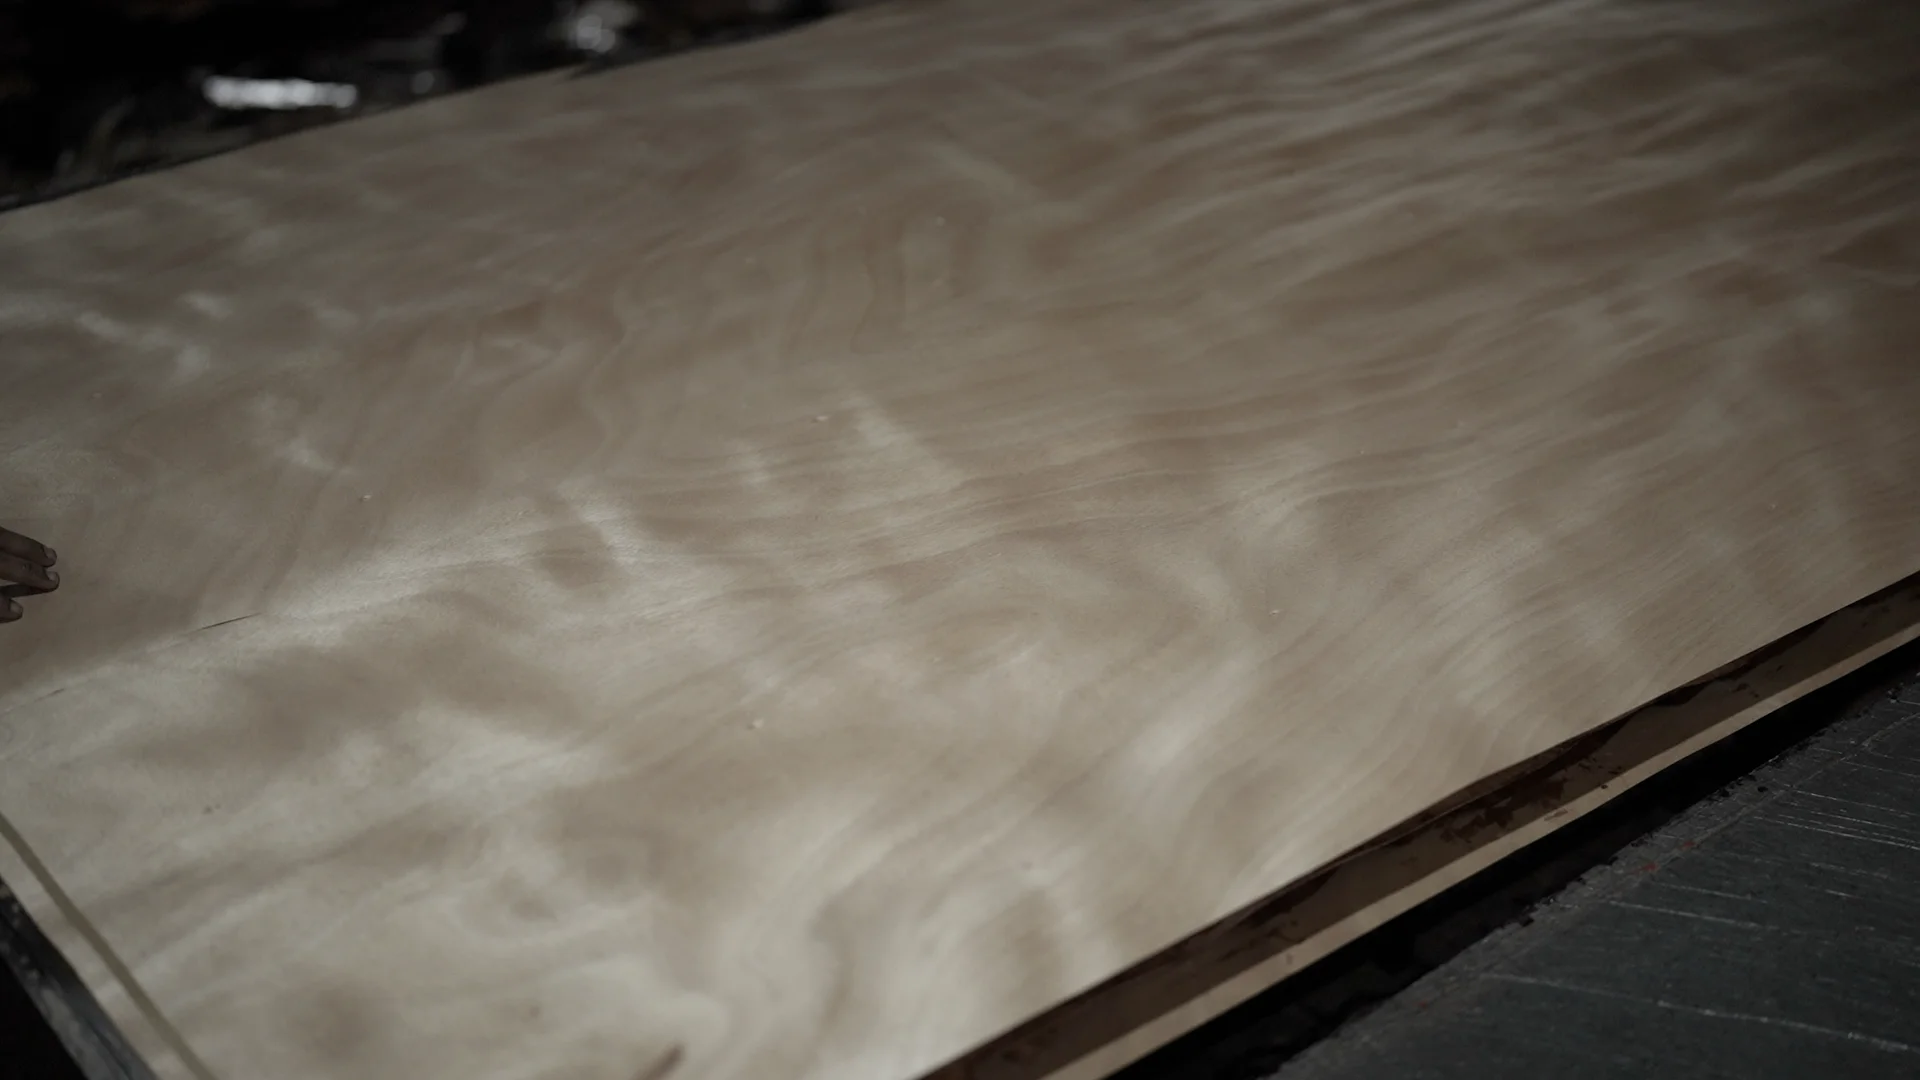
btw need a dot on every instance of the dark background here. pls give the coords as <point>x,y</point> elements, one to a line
<point>92,90</point>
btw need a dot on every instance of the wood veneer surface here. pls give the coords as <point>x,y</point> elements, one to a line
<point>789,561</point>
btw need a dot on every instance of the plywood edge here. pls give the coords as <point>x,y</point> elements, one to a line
<point>51,986</point>
<point>1206,974</point>
<point>96,1009</point>
<point>1212,971</point>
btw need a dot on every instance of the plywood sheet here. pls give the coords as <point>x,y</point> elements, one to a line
<point>1249,951</point>
<point>791,561</point>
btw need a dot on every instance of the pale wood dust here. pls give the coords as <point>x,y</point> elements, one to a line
<point>802,556</point>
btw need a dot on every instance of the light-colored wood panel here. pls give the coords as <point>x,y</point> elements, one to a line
<point>1251,950</point>
<point>792,561</point>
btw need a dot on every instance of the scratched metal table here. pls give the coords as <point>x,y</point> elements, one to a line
<point>1753,913</point>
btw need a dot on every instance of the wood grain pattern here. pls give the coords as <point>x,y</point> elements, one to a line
<point>1766,933</point>
<point>790,561</point>
<point>1224,965</point>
